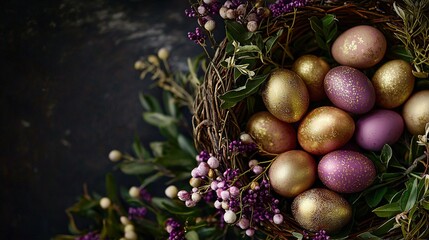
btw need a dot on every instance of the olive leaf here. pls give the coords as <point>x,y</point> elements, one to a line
<point>325,30</point>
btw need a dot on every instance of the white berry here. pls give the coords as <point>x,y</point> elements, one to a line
<point>105,203</point>
<point>229,216</point>
<point>163,53</point>
<point>115,155</point>
<point>171,191</point>
<point>134,192</point>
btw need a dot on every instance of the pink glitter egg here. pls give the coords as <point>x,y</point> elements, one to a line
<point>346,171</point>
<point>349,89</point>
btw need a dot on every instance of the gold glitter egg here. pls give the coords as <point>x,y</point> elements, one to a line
<point>292,173</point>
<point>285,95</point>
<point>416,112</point>
<point>359,47</point>
<point>312,70</point>
<point>271,134</point>
<point>325,129</point>
<point>393,83</point>
<point>321,209</point>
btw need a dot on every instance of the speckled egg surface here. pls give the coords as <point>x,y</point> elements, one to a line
<point>349,89</point>
<point>346,171</point>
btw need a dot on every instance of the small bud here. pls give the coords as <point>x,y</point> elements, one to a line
<point>171,191</point>
<point>257,169</point>
<point>134,192</point>
<point>213,162</point>
<point>241,9</point>
<point>128,228</point>
<point>225,205</point>
<point>228,4</point>
<point>225,195</point>
<point>230,14</point>
<point>218,204</point>
<point>201,10</point>
<point>139,65</point>
<point>163,54</point>
<point>195,173</point>
<point>234,191</point>
<point>278,218</point>
<point>252,17</point>
<point>195,182</point>
<point>190,203</point>
<point>183,195</point>
<point>124,220</point>
<point>105,203</point>
<point>244,223</point>
<point>246,138</point>
<point>253,163</point>
<point>254,185</point>
<point>211,173</point>
<point>130,235</point>
<point>208,1</point>
<point>252,26</point>
<point>115,155</point>
<point>222,12</point>
<point>153,60</point>
<point>203,169</point>
<point>213,185</point>
<point>250,232</point>
<point>229,216</point>
<point>198,220</point>
<point>196,197</point>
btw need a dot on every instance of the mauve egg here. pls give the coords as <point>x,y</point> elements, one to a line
<point>346,171</point>
<point>349,89</point>
<point>377,128</point>
<point>360,47</point>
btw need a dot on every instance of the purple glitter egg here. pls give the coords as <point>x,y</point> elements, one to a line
<point>349,89</point>
<point>346,171</point>
<point>378,128</point>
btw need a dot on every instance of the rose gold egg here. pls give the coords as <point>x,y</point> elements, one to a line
<point>325,129</point>
<point>271,134</point>
<point>285,95</point>
<point>321,209</point>
<point>359,47</point>
<point>312,70</point>
<point>416,112</point>
<point>292,172</point>
<point>393,83</point>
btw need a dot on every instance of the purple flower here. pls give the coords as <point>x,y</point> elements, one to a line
<point>137,213</point>
<point>89,236</point>
<point>281,7</point>
<point>241,147</point>
<point>145,195</point>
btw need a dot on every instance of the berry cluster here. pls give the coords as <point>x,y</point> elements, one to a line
<point>174,229</point>
<point>320,235</point>
<point>89,236</point>
<point>137,213</point>
<point>281,7</point>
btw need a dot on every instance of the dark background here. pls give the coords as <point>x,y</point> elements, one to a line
<point>69,94</point>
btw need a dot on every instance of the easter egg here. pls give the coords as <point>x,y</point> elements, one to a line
<point>393,83</point>
<point>285,95</point>
<point>292,172</point>
<point>271,134</point>
<point>346,171</point>
<point>321,209</point>
<point>349,89</point>
<point>325,129</point>
<point>378,128</point>
<point>416,112</point>
<point>312,70</point>
<point>359,47</point>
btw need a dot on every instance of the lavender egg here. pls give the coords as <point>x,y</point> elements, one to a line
<point>349,89</point>
<point>346,171</point>
<point>378,128</point>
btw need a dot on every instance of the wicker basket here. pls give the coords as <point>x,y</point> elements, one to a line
<point>215,128</point>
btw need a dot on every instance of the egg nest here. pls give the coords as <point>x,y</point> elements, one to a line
<point>217,125</point>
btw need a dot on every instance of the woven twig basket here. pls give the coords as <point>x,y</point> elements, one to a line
<point>215,128</point>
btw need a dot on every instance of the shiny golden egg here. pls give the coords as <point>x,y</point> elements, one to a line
<point>393,83</point>
<point>292,172</point>
<point>416,112</point>
<point>285,95</point>
<point>321,209</point>
<point>271,134</point>
<point>325,129</point>
<point>312,70</point>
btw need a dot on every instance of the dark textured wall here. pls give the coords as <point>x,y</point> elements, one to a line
<point>69,94</point>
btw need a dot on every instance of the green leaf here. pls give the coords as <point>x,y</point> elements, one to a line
<point>236,95</point>
<point>298,236</point>
<point>316,24</point>
<point>375,197</point>
<point>388,210</point>
<point>192,235</point>
<point>150,103</point>
<point>186,145</point>
<point>399,51</point>
<point>386,155</point>
<point>271,41</point>
<point>158,119</point>
<point>150,179</point>
<point>170,104</point>
<point>236,31</point>
<point>409,196</point>
<point>139,150</point>
<point>136,168</point>
<point>111,189</point>
<point>368,236</point>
